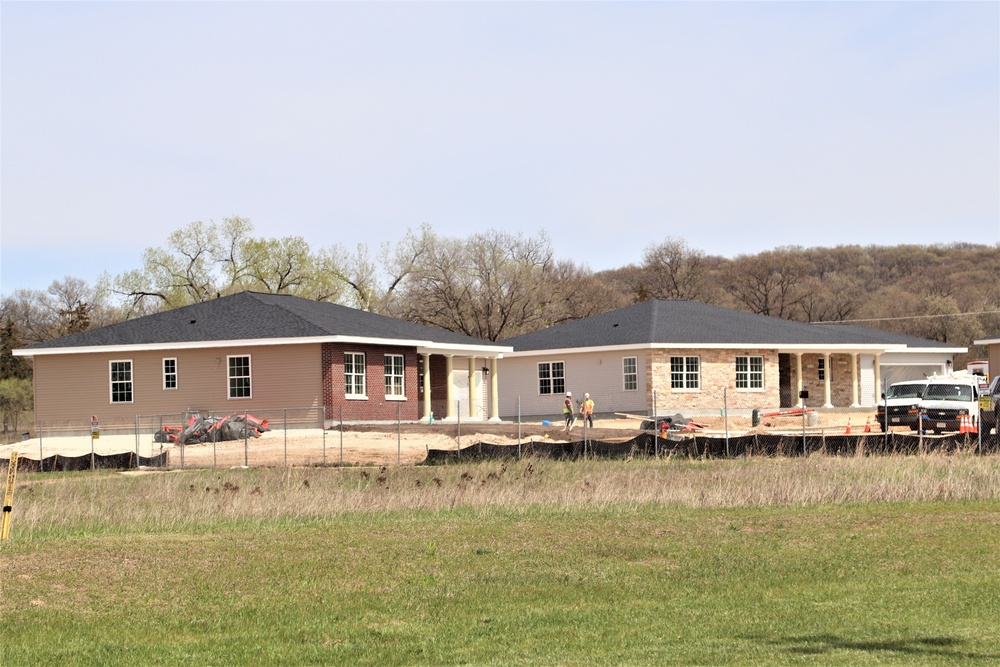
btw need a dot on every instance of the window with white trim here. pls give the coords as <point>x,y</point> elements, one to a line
<point>354,374</point>
<point>749,372</point>
<point>551,377</point>
<point>239,376</point>
<point>170,373</point>
<point>394,375</point>
<point>821,368</point>
<point>630,373</point>
<point>121,381</point>
<point>685,373</point>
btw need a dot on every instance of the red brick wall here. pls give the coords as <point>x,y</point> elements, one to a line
<point>375,407</point>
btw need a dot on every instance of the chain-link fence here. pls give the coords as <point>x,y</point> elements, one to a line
<point>345,434</point>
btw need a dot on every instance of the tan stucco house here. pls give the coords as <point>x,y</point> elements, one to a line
<point>691,357</point>
<point>260,352</point>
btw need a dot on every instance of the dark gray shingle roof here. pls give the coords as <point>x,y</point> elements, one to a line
<point>690,322</point>
<point>253,315</point>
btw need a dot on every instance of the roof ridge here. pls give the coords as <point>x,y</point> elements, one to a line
<point>280,305</point>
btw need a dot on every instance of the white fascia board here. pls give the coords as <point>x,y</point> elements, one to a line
<point>576,350</point>
<point>438,348</point>
<point>488,351</point>
<point>986,341</point>
<point>932,350</point>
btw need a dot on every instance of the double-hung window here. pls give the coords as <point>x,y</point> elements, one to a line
<point>239,376</point>
<point>394,376</point>
<point>749,372</point>
<point>551,377</point>
<point>821,369</point>
<point>685,373</point>
<point>630,373</point>
<point>354,374</point>
<point>121,381</point>
<point>170,373</point>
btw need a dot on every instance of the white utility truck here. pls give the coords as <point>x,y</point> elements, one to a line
<point>948,399</point>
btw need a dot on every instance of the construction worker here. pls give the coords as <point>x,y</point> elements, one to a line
<point>587,410</point>
<point>568,411</point>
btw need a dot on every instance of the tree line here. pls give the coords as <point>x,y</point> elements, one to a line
<point>495,284</point>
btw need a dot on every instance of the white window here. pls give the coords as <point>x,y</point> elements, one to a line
<point>239,377</point>
<point>170,374</point>
<point>121,381</point>
<point>551,377</point>
<point>685,373</point>
<point>394,375</point>
<point>821,368</point>
<point>354,374</point>
<point>630,373</point>
<point>749,372</point>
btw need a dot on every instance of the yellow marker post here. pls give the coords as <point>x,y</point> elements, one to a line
<point>8,496</point>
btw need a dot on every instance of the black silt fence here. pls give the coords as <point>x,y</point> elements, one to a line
<point>58,463</point>
<point>645,445</point>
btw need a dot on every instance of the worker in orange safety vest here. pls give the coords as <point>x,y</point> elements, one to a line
<point>587,410</point>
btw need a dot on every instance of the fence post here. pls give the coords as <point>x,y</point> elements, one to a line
<point>41,452</point>
<point>656,429</point>
<point>399,437</point>
<point>518,427</point>
<point>137,441</point>
<point>284,426</point>
<point>725,412</point>
<point>341,434</point>
<point>246,440</point>
<point>458,416</point>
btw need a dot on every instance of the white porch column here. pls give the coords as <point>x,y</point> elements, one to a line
<point>798,379</point>
<point>494,392</point>
<point>449,393</point>
<point>854,380</point>
<point>426,417</point>
<point>826,380</point>
<point>473,399</point>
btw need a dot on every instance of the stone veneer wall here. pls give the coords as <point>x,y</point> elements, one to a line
<point>718,371</point>
<point>840,381</point>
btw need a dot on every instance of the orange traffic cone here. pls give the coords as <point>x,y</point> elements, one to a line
<point>848,430</point>
<point>963,425</point>
<point>868,425</point>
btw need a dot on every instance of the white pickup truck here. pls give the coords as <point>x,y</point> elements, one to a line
<point>900,404</point>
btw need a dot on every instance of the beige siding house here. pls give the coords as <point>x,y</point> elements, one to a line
<point>694,358</point>
<point>262,352</point>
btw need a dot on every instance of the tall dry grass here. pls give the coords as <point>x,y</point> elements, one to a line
<point>163,501</point>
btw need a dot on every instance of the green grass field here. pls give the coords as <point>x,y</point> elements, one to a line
<point>816,561</point>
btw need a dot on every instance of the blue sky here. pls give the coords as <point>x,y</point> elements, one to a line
<point>738,127</point>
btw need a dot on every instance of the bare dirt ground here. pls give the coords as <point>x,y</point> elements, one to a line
<point>387,444</point>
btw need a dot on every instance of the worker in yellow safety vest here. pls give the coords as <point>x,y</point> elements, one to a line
<point>568,411</point>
